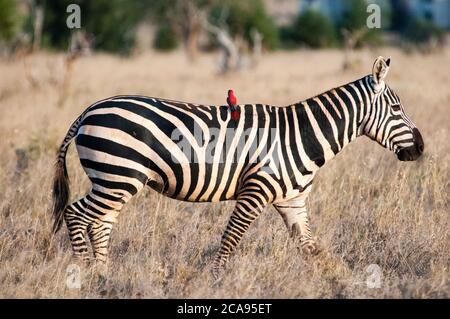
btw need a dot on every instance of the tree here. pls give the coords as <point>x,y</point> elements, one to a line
<point>424,33</point>
<point>311,28</point>
<point>354,20</point>
<point>180,16</point>
<point>111,22</point>
<point>231,57</point>
<point>9,19</point>
<point>244,18</point>
<point>165,38</point>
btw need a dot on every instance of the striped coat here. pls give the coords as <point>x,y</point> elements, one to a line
<point>197,153</point>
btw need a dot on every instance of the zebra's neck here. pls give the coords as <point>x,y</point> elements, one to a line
<point>330,121</point>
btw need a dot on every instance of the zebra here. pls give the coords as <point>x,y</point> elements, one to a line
<point>125,143</point>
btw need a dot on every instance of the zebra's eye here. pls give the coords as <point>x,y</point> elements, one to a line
<point>396,107</point>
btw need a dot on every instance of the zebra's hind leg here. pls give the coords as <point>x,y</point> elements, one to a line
<point>93,214</point>
<point>295,216</point>
<point>99,234</point>
<point>77,224</point>
<point>105,208</point>
<point>248,208</point>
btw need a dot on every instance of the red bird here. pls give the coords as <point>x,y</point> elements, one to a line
<point>232,102</point>
<point>231,99</point>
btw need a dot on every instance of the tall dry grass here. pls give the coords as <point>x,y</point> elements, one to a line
<point>366,207</point>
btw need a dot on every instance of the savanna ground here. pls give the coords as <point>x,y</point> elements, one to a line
<point>366,207</point>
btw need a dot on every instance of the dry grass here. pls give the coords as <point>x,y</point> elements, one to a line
<point>366,208</point>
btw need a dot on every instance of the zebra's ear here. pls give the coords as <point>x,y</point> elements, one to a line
<point>380,69</point>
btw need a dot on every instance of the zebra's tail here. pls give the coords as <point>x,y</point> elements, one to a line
<point>61,190</point>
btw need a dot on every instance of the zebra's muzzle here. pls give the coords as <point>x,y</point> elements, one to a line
<point>412,153</point>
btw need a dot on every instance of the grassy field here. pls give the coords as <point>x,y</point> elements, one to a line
<point>366,207</point>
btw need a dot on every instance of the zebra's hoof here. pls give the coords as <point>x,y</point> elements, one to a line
<point>100,268</point>
<point>310,248</point>
<point>81,260</point>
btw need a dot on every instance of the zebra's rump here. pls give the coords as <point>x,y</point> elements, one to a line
<point>180,149</point>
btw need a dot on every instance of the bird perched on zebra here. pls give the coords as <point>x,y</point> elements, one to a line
<point>269,155</point>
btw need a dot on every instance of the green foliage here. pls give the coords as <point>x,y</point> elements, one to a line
<point>423,31</point>
<point>241,17</point>
<point>172,11</point>
<point>387,12</point>
<point>311,28</point>
<point>165,39</point>
<point>112,22</point>
<point>9,19</point>
<point>354,19</point>
<point>355,16</point>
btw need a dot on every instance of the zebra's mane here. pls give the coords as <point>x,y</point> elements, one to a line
<point>299,103</point>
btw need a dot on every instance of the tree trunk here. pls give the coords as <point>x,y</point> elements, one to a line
<point>191,43</point>
<point>37,27</point>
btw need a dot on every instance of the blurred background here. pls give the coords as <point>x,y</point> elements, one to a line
<point>242,29</point>
<point>368,208</point>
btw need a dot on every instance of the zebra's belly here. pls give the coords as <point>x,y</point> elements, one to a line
<point>158,187</point>
<point>197,182</point>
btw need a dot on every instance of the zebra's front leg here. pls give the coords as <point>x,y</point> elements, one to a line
<point>248,208</point>
<point>295,216</point>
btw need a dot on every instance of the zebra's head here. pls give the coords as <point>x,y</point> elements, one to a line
<point>386,121</point>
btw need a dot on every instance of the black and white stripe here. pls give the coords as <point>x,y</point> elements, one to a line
<point>197,153</point>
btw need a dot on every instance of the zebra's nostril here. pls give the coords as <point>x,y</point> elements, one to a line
<point>420,148</point>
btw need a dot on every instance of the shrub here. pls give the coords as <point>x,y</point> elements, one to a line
<point>111,22</point>
<point>311,28</point>
<point>9,19</point>
<point>355,18</point>
<point>165,39</point>
<point>420,31</point>
<point>241,17</point>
